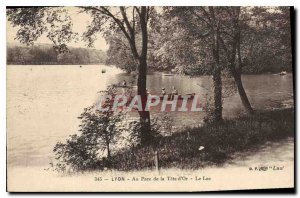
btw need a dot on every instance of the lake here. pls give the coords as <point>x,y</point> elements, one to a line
<point>43,102</point>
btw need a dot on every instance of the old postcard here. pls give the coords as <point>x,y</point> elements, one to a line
<point>149,99</point>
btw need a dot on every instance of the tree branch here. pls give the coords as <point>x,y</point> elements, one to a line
<point>138,11</point>
<point>199,17</point>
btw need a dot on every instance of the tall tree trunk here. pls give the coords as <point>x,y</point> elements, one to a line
<point>238,79</point>
<point>242,93</point>
<point>238,69</point>
<point>217,81</point>
<point>146,137</point>
<point>218,95</point>
<point>108,156</point>
<point>141,61</point>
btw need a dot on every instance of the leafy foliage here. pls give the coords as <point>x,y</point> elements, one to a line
<point>266,41</point>
<point>45,54</point>
<point>99,132</point>
<point>119,53</point>
<point>55,22</point>
<point>102,134</point>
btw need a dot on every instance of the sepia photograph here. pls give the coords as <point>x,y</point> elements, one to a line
<point>150,98</point>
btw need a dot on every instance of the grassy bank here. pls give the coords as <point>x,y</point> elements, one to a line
<point>218,142</point>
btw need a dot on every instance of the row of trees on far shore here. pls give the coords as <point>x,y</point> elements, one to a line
<point>44,54</point>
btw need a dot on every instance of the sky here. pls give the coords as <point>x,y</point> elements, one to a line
<point>80,21</point>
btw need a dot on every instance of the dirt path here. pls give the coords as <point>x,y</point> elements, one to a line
<point>234,175</point>
<point>271,153</point>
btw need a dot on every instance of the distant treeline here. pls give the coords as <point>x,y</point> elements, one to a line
<point>44,54</point>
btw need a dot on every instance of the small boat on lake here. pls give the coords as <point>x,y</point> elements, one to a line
<point>168,74</point>
<point>124,85</point>
<point>283,73</point>
<point>180,97</point>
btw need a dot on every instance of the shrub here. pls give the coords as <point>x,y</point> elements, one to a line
<point>99,132</point>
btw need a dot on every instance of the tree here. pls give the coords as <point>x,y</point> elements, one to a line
<point>256,39</point>
<point>266,40</point>
<point>119,53</point>
<point>45,54</point>
<point>102,126</point>
<point>58,26</point>
<point>233,36</point>
<point>215,32</point>
<point>204,23</point>
<point>99,130</point>
<point>139,19</point>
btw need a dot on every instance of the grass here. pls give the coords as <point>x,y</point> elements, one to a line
<point>220,142</point>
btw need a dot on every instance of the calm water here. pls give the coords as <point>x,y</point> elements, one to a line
<point>43,102</point>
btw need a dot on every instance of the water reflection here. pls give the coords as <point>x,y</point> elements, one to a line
<point>264,91</point>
